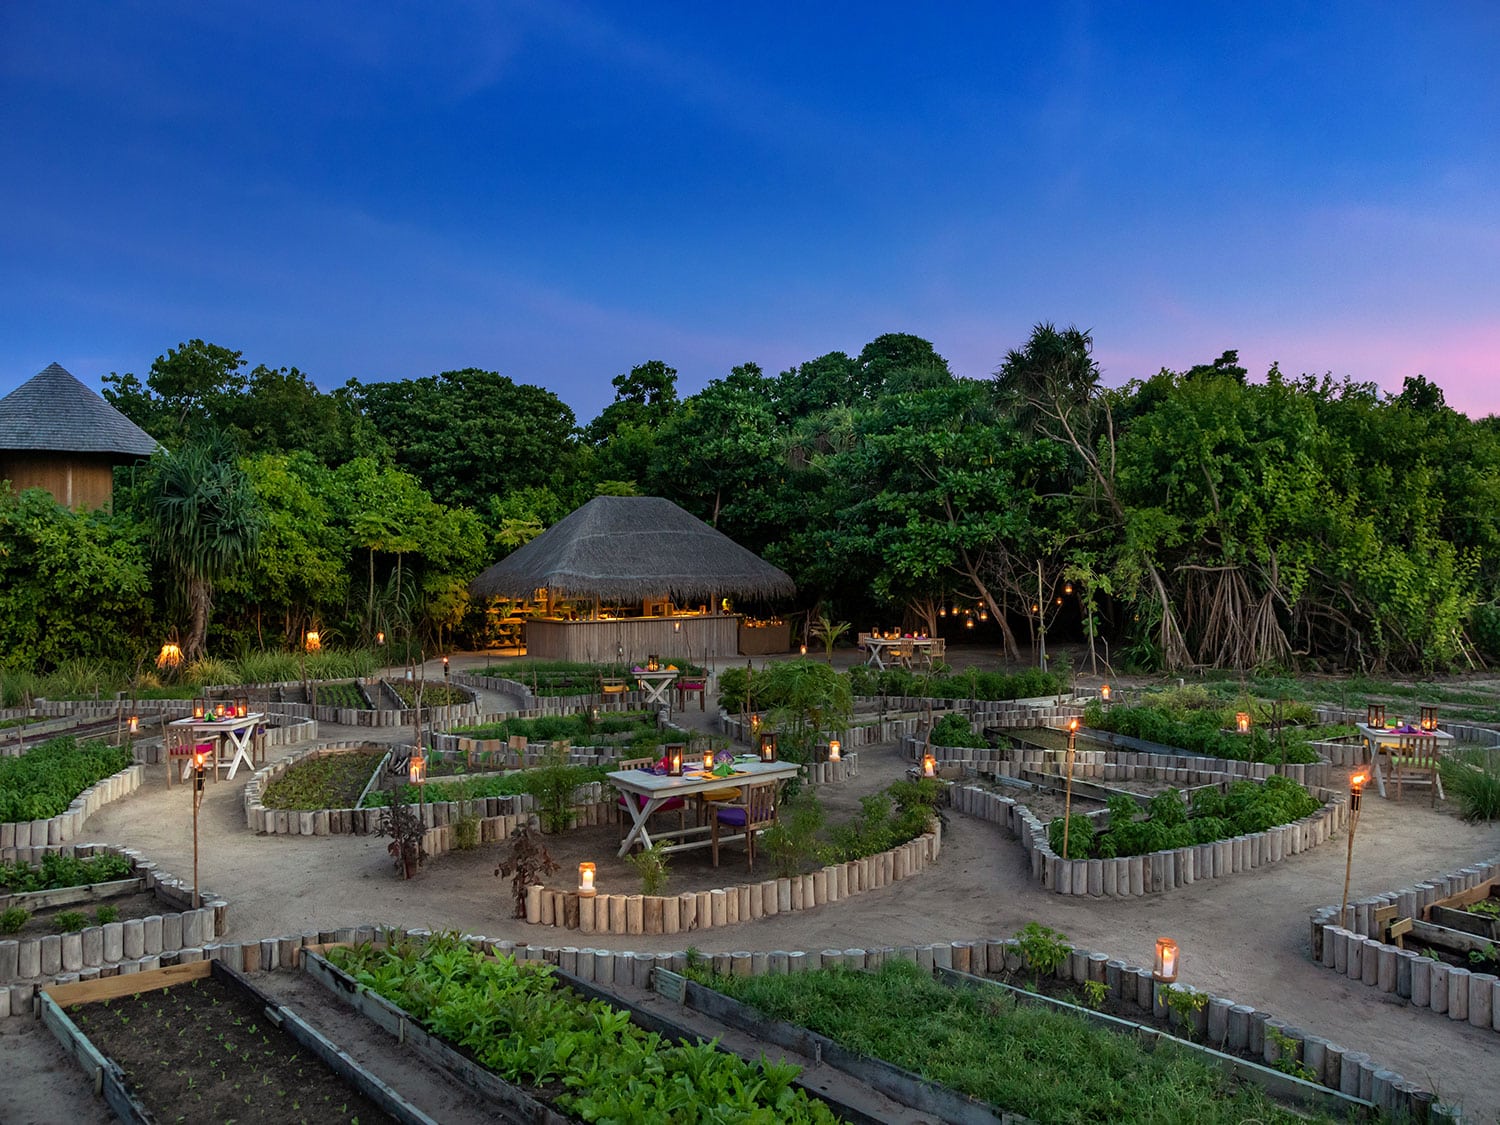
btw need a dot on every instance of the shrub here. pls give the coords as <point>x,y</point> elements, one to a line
<point>793,839</point>
<point>13,918</point>
<point>1473,778</point>
<point>1080,836</point>
<point>973,684</point>
<point>69,920</point>
<point>104,915</point>
<point>1042,948</point>
<point>651,865</point>
<point>553,784</point>
<point>1199,733</point>
<point>954,729</point>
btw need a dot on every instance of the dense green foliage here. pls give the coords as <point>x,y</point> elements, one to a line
<point>563,677</point>
<point>1472,778</point>
<point>580,729</point>
<point>1201,732</point>
<point>954,729</point>
<point>1168,823</point>
<point>57,871</point>
<point>495,785</point>
<point>900,812</point>
<point>346,694</point>
<point>41,782</point>
<point>1190,519</point>
<point>1044,1065</point>
<point>592,1061</point>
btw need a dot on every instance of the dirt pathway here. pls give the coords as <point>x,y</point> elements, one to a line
<point>1244,937</point>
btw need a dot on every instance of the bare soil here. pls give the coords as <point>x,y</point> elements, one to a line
<point>1244,937</point>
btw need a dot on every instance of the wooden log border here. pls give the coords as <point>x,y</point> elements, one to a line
<point>1355,945</point>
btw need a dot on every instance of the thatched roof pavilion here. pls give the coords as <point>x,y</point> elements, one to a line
<point>57,434</point>
<point>617,550</point>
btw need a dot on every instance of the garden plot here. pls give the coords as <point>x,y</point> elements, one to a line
<point>198,1042</point>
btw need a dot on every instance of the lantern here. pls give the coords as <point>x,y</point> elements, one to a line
<point>984,613</point>
<point>1165,969</point>
<point>135,724</point>
<point>674,759</point>
<point>170,655</point>
<point>768,747</point>
<point>380,637</point>
<point>1356,790</point>
<point>1375,716</point>
<point>1104,692</point>
<point>929,766</point>
<point>1429,719</point>
<point>653,663</point>
<point>311,641</point>
<point>804,650</point>
<point>241,707</point>
<point>1067,587</point>
<point>968,622</point>
<point>708,761</point>
<point>200,708</point>
<point>834,750</point>
<point>586,880</point>
<point>219,708</point>
<point>416,769</point>
<point>1242,722</point>
<point>942,610</point>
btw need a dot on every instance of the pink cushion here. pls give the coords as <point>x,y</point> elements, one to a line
<point>640,803</point>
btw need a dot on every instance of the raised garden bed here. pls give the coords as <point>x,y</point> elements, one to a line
<point>548,1046</point>
<point>42,782</point>
<point>347,694</point>
<point>199,1042</point>
<point>334,780</point>
<point>956,1047</point>
<point>434,694</point>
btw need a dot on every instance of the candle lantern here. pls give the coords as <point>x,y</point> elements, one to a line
<point>968,623</point>
<point>768,747</point>
<point>1429,718</point>
<point>416,769</point>
<point>675,752</point>
<point>834,750</point>
<point>586,880</point>
<point>1242,721</point>
<point>1104,692</point>
<point>1165,969</point>
<point>241,707</point>
<point>708,761</point>
<point>219,708</point>
<point>200,708</point>
<point>653,663</point>
<point>929,766</point>
<point>1375,715</point>
<point>380,637</point>
<point>135,724</point>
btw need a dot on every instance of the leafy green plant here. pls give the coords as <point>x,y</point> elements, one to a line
<point>328,781</point>
<point>12,918</point>
<point>793,840</point>
<point>104,915</point>
<point>1042,948</point>
<point>529,863</point>
<point>1185,1004</point>
<point>1094,993</point>
<point>1080,832</point>
<point>43,781</point>
<point>67,921</point>
<point>972,684</point>
<point>827,630</point>
<point>1472,777</point>
<point>1489,907</point>
<point>1200,732</point>
<point>1287,1061</point>
<point>651,865</point>
<point>397,820</point>
<point>57,871</point>
<point>1489,954</point>
<point>554,784</point>
<point>954,729</point>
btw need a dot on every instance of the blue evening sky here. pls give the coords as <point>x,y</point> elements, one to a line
<point>559,191</point>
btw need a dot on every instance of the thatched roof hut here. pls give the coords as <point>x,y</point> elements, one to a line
<point>57,434</point>
<point>632,548</point>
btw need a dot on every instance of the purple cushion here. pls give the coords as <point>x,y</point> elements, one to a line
<point>733,816</point>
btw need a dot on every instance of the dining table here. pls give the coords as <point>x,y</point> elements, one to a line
<point>231,736</point>
<point>886,651</point>
<point>646,791</point>
<point>655,682</point>
<point>1390,738</point>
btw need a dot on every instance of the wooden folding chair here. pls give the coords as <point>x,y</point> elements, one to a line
<point>756,809</point>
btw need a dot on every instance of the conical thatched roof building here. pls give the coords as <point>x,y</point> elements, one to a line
<point>618,550</point>
<point>57,434</point>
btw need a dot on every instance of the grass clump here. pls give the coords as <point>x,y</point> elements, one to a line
<point>1049,1066</point>
<point>1472,778</point>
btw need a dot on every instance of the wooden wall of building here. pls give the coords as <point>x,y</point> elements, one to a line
<point>632,639</point>
<point>76,480</point>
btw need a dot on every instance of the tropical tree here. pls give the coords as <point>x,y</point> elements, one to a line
<point>205,526</point>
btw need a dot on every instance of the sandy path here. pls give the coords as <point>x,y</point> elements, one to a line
<point>1244,937</point>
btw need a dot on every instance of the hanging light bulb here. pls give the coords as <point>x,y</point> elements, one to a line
<point>942,610</point>
<point>968,623</point>
<point>1067,587</point>
<point>984,614</point>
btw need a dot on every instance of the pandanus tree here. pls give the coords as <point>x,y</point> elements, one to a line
<point>206,525</point>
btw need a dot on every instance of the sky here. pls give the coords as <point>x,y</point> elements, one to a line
<point>559,191</point>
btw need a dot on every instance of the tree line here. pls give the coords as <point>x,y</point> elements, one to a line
<point>1188,519</point>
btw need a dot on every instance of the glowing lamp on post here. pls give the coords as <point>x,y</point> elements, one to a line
<point>1104,692</point>
<point>1165,969</point>
<point>1356,792</point>
<point>768,747</point>
<point>170,656</point>
<point>311,641</point>
<point>803,650</point>
<point>834,750</point>
<point>135,724</point>
<point>586,880</point>
<point>380,637</point>
<point>447,671</point>
<point>1429,719</point>
<point>1375,715</point>
<point>1242,722</point>
<point>416,769</point>
<point>1068,794</point>
<point>929,766</point>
